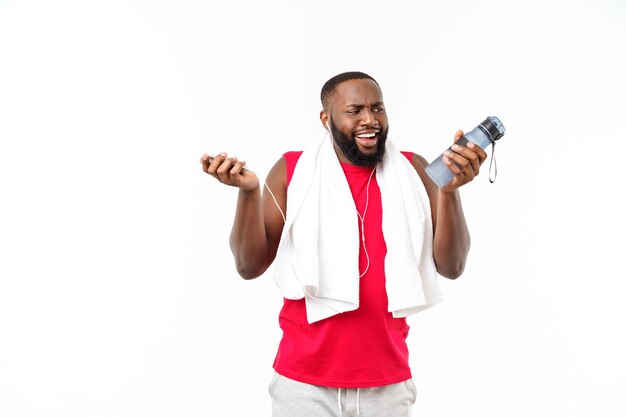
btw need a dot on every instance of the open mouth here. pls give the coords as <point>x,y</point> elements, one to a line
<point>368,138</point>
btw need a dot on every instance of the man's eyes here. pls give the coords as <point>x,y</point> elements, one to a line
<point>374,109</point>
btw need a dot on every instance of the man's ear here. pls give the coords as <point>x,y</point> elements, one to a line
<point>324,119</point>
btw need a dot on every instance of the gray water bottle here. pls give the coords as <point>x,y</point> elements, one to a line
<point>487,132</point>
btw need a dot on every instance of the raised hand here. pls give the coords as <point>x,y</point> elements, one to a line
<point>464,162</point>
<point>230,171</point>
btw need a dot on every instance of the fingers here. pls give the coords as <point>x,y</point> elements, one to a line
<point>228,170</point>
<point>464,161</point>
<point>206,160</point>
<point>468,155</point>
<point>461,161</point>
<point>223,167</point>
<point>238,168</point>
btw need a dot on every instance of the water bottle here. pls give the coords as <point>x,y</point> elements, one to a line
<point>487,132</point>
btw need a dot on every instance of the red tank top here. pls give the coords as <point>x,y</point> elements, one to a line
<point>356,349</point>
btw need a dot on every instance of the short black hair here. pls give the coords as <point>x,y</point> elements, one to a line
<point>330,86</point>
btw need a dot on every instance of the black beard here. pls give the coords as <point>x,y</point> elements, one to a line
<point>351,151</point>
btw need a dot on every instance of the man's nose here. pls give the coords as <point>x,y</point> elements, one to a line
<point>368,117</point>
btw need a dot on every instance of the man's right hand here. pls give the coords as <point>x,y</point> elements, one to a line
<point>229,171</point>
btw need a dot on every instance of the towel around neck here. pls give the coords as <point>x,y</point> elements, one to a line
<point>321,222</point>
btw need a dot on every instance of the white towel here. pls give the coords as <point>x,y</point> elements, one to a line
<point>322,221</point>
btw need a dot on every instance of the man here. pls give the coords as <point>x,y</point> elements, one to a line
<point>343,350</point>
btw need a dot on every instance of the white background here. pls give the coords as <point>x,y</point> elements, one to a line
<point>118,292</point>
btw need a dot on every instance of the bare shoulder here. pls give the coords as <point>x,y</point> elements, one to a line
<point>420,164</point>
<point>278,174</point>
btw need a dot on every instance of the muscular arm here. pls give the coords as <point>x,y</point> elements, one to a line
<point>451,236</point>
<point>258,223</point>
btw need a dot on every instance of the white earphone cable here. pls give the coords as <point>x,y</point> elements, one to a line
<point>275,202</point>
<point>362,218</point>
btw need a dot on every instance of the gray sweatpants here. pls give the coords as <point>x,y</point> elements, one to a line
<point>296,399</point>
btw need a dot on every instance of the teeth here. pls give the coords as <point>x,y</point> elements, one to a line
<point>366,135</point>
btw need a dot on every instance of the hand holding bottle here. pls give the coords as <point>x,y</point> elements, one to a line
<point>453,164</point>
<point>463,159</point>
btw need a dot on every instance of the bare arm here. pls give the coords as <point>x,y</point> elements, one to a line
<point>451,236</point>
<point>258,223</point>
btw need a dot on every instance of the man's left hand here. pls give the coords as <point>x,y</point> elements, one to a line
<point>464,162</point>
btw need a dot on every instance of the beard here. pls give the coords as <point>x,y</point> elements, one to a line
<point>349,148</point>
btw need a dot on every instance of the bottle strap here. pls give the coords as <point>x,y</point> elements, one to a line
<point>493,164</point>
